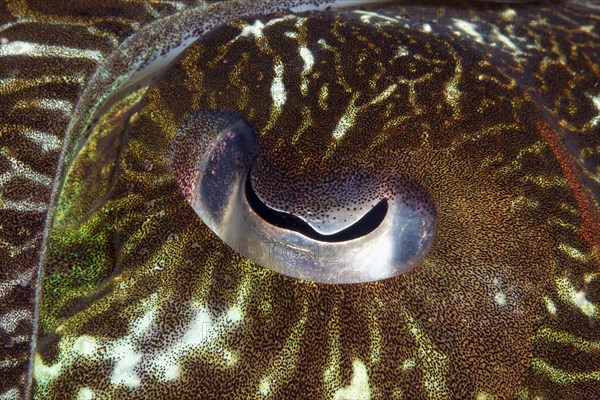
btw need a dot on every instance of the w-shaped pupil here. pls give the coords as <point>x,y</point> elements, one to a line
<point>367,224</point>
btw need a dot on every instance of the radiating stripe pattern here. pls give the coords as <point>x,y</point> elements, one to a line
<point>46,57</point>
<point>142,300</point>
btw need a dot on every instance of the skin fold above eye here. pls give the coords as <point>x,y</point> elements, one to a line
<point>349,200</point>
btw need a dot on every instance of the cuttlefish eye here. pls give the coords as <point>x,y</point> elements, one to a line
<point>354,227</point>
<point>280,199</point>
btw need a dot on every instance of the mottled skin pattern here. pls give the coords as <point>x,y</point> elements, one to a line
<point>31,134</point>
<point>493,109</point>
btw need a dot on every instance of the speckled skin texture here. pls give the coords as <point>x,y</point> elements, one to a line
<point>492,109</point>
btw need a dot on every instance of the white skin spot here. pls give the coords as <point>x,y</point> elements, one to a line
<point>21,338</point>
<point>124,352</point>
<point>46,141</point>
<point>408,364</point>
<point>308,59</point>
<point>85,345</point>
<point>49,104</point>
<point>9,285</point>
<point>124,371</point>
<point>499,291</point>
<point>509,15</point>
<point>85,393</point>
<point>10,320</point>
<point>170,370</point>
<point>345,122</point>
<point>17,48</point>
<point>426,28</point>
<point>469,28</point>
<point>484,396</point>
<point>255,30</point>
<point>278,88</point>
<point>234,314</point>
<point>574,253</point>
<point>588,278</point>
<point>500,298</point>
<point>385,94</point>
<point>596,100</point>
<point>309,62</point>
<point>550,306</point>
<point>505,41</point>
<point>265,386</point>
<point>586,306</point>
<point>402,51</point>
<point>201,332</point>
<point>576,297</point>
<point>24,206</point>
<point>366,16</point>
<point>452,92</point>
<point>166,365</point>
<point>10,394</point>
<point>359,386</point>
<point>587,28</point>
<point>43,373</point>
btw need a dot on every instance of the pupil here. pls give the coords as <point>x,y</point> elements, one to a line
<point>367,224</point>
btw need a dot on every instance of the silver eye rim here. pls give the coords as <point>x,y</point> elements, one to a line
<point>218,195</point>
<point>371,257</point>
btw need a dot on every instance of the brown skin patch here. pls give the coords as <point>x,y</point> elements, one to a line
<point>469,321</point>
<point>34,79</point>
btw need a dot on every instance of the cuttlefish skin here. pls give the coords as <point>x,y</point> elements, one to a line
<point>492,109</point>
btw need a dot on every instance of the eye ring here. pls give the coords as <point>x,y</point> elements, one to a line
<point>212,158</point>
